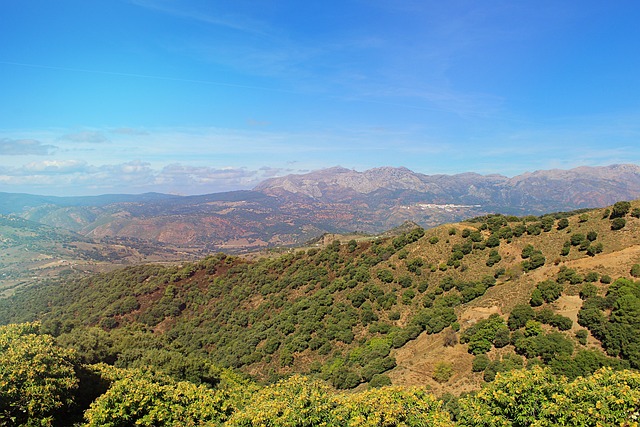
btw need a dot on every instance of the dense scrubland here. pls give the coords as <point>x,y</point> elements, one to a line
<point>312,337</point>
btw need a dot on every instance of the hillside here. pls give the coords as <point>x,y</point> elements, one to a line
<point>19,202</point>
<point>291,210</point>
<point>32,252</point>
<point>424,307</point>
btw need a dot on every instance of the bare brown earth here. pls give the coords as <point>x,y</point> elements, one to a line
<point>417,360</point>
<point>617,263</point>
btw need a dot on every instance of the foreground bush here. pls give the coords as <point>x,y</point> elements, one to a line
<point>42,385</point>
<point>144,398</point>
<point>299,402</point>
<point>293,402</point>
<point>37,378</point>
<point>537,398</point>
<point>391,406</point>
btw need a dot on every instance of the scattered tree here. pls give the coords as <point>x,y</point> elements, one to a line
<point>443,372</point>
<point>618,223</point>
<point>620,209</point>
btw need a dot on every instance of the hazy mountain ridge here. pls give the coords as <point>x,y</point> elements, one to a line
<point>576,188</point>
<point>336,184</point>
<point>292,209</point>
<point>19,202</point>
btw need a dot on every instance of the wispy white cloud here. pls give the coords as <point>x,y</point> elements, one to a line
<point>55,167</point>
<point>563,143</point>
<point>269,172</point>
<point>257,123</point>
<point>20,147</point>
<point>92,137</point>
<point>409,69</point>
<point>79,177</point>
<point>130,131</point>
<point>208,15</point>
<point>189,175</point>
<point>197,160</point>
<point>357,65</point>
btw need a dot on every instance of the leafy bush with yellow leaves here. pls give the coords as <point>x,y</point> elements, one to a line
<point>140,398</point>
<point>391,406</point>
<point>37,378</point>
<point>300,402</point>
<point>538,398</point>
<point>294,402</point>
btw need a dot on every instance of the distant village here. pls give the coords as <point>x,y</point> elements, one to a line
<point>446,207</point>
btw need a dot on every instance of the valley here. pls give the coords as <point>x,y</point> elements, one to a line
<point>291,210</point>
<point>33,252</point>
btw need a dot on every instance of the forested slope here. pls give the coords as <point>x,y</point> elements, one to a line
<point>42,384</point>
<point>492,290</point>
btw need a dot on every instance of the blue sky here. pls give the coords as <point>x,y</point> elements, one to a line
<point>193,97</point>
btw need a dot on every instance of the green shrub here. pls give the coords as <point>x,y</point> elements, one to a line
<point>407,296</point>
<point>595,249</point>
<point>519,316</point>
<point>582,336</point>
<point>37,378</point>
<point>443,372</point>
<point>480,337</point>
<point>385,275</point>
<point>480,363</point>
<point>591,276</point>
<point>494,258</point>
<point>405,281</point>
<point>550,290</point>
<point>537,397</point>
<point>618,224</point>
<point>577,238</point>
<point>379,380</point>
<point>294,402</point>
<point>620,209</point>
<point>588,290</point>
<point>527,251</point>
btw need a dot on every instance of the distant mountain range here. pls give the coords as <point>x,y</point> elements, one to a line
<point>295,208</point>
<point>536,192</point>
